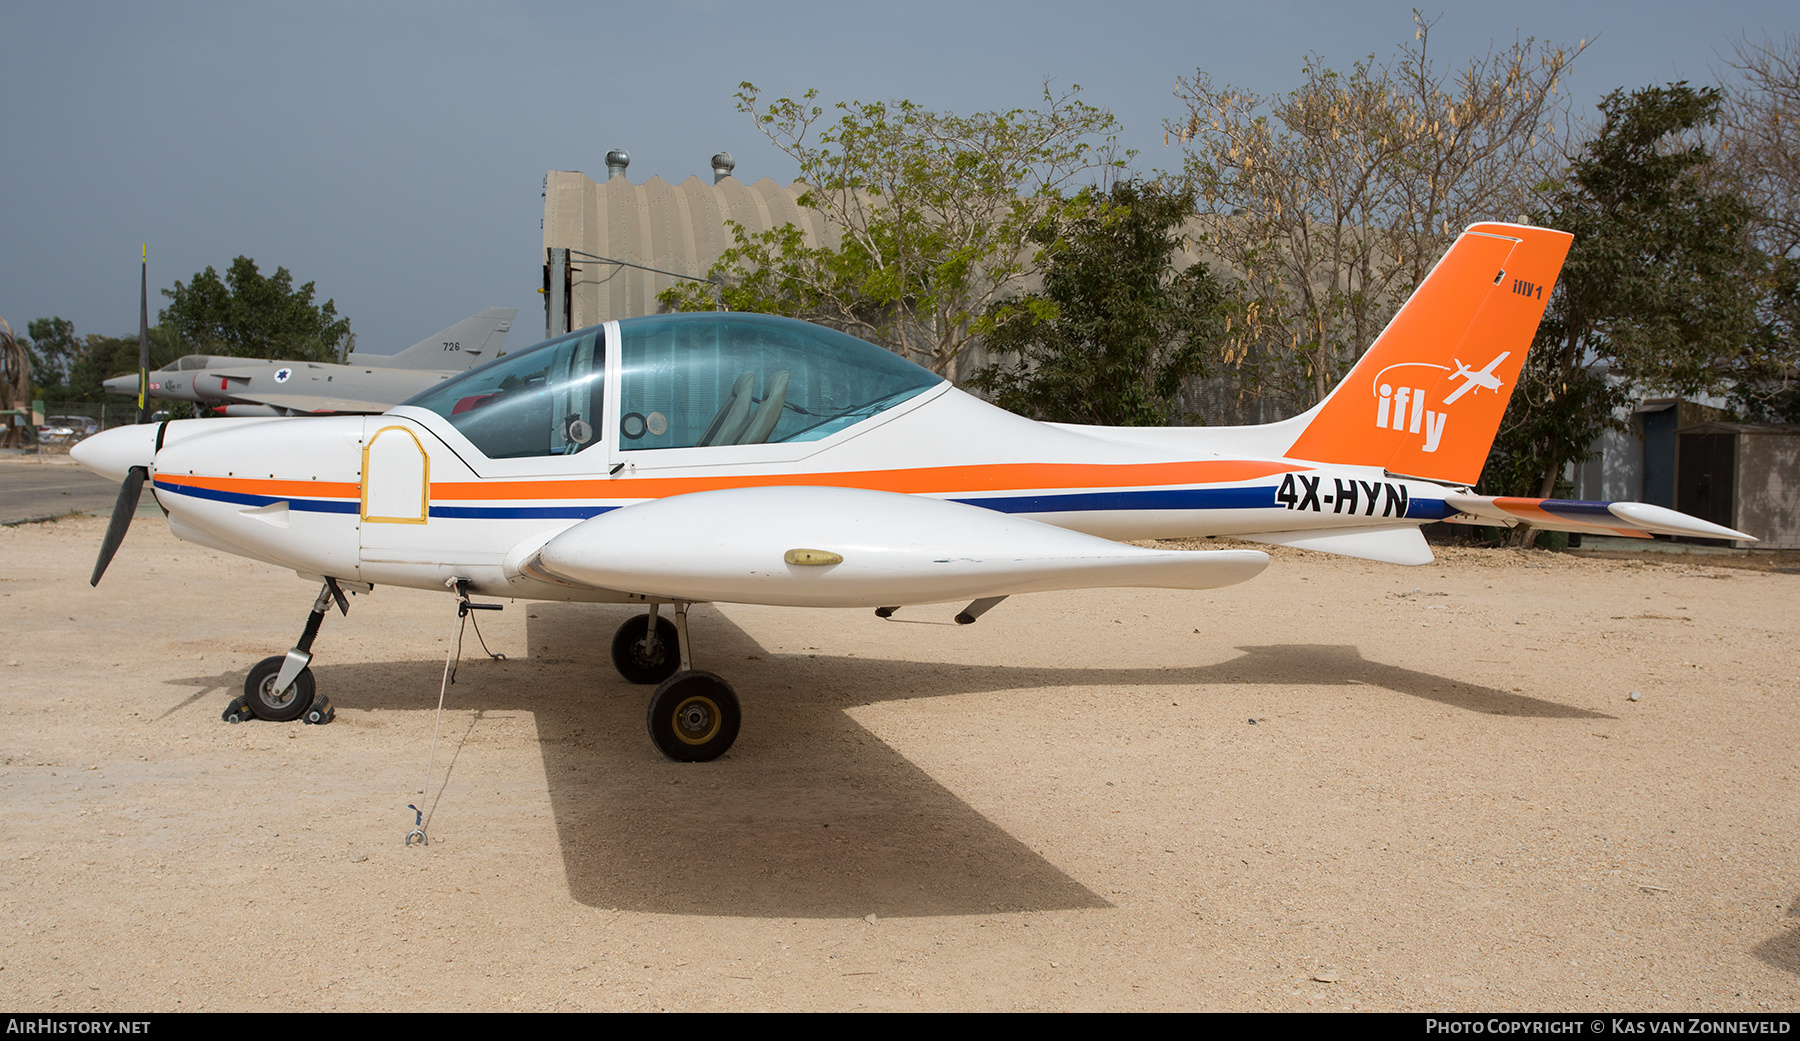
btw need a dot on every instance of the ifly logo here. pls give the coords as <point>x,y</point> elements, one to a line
<point>1392,406</point>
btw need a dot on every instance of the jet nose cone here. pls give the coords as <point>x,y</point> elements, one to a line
<point>111,453</point>
<point>122,385</point>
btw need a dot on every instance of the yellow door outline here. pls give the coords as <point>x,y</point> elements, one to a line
<point>424,481</point>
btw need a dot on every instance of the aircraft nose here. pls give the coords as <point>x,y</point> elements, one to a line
<point>127,385</point>
<point>111,453</point>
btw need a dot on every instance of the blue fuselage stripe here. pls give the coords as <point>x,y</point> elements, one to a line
<point>571,511</point>
<point>1252,498</point>
<point>1256,497</point>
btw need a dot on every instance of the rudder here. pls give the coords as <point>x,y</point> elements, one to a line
<point>1427,397</point>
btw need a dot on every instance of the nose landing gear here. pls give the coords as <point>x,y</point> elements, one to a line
<point>281,689</point>
<point>693,715</point>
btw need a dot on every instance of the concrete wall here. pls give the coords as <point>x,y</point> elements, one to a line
<point>1768,487</point>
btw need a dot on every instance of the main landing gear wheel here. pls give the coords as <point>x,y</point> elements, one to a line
<point>694,717</point>
<point>640,664</point>
<point>277,706</point>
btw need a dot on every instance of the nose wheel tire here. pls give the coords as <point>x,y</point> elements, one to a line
<point>641,664</point>
<point>693,717</point>
<point>265,702</point>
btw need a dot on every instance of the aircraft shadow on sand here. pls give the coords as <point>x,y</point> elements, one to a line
<point>787,824</point>
<point>1783,952</point>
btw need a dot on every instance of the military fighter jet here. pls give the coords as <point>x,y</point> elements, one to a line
<point>366,383</point>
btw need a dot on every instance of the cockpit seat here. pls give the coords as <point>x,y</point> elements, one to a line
<point>729,421</point>
<point>768,413</point>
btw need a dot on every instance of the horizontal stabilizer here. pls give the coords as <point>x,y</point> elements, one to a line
<point>1394,544</point>
<point>468,343</point>
<point>1630,519</point>
<point>850,547</point>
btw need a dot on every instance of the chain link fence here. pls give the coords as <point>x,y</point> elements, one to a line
<point>68,423</point>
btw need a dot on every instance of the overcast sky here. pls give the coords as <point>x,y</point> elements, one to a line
<point>394,153</point>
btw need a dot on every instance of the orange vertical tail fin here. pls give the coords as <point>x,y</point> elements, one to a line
<point>1427,398</point>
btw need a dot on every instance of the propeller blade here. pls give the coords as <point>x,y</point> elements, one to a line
<point>129,490</point>
<point>143,409</point>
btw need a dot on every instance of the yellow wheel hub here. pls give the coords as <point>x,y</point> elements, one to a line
<point>697,720</point>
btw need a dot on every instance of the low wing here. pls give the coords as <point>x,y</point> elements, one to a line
<point>1630,519</point>
<point>849,547</point>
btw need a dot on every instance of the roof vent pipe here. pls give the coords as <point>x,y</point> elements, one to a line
<point>722,165</point>
<point>616,162</point>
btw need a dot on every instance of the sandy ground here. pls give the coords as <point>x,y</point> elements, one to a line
<point>1342,785</point>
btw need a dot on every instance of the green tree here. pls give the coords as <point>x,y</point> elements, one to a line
<point>931,217</point>
<point>1117,330</point>
<point>1659,289</point>
<point>248,315</point>
<point>53,348</point>
<point>100,358</point>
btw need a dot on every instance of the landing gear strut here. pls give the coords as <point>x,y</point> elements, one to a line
<point>281,689</point>
<point>693,715</point>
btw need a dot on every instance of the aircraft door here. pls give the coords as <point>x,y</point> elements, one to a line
<point>396,477</point>
<point>395,511</point>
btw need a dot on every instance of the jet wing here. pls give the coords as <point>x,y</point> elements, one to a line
<point>1630,519</point>
<point>849,547</point>
<point>311,404</point>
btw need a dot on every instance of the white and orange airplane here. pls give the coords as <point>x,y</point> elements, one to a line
<point>728,457</point>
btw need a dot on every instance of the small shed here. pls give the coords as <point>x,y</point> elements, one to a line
<point>1744,476</point>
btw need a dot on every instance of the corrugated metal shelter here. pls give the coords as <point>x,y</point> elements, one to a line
<point>681,230</point>
<point>1744,476</point>
<point>677,228</point>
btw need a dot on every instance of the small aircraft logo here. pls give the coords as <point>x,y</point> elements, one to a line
<point>1485,378</point>
<point>281,375</point>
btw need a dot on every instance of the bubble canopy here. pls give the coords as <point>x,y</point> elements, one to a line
<point>685,381</point>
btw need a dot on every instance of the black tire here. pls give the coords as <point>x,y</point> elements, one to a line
<point>693,717</point>
<point>277,707</point>
<point>629,657</point>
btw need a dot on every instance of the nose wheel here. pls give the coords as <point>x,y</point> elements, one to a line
<point>266,701</point>
<point>693,716</point>
<point>281,689</point>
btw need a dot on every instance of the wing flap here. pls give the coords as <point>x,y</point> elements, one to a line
<point>850,547</point>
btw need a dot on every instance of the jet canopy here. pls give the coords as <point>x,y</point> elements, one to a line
<point>684,381</point>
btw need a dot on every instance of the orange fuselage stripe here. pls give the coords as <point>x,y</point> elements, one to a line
<point>995,477</point>
<point>259,486</point>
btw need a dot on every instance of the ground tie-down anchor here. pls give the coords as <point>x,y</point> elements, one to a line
<point>452,655</point>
